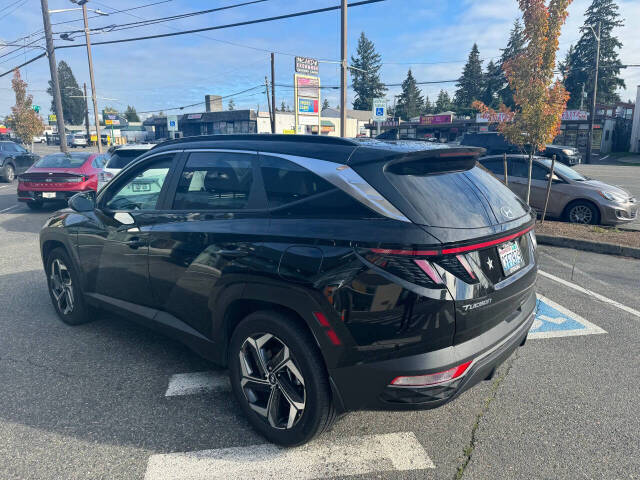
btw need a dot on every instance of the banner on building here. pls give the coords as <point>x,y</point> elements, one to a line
<point>436,119</point>
<point>572,115</point>
<point>493,117</point>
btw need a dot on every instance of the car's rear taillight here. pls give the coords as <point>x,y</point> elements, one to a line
<point>418,271</point>
<point>104,178</point>
<point>432,378</point>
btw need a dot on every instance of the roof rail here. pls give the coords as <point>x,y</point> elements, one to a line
<point>272,137</point>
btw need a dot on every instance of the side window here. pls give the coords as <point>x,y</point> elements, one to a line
<point>494,165</point>
<point>517,168</point>
<point>285,182</point>
<point>538,172</point>
<point>215,181</point>
<point>142,188</point>
<point>99,161</point>
<point>19,149</point>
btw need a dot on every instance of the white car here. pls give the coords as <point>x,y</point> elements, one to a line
<point>39,139</point>
<point>119,159</point>
<point>78,140</point>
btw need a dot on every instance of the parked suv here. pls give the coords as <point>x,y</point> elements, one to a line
<point>328,275</point>
<point>14,160</point>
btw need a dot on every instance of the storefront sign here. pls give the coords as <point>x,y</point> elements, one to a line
<point>306,65</point>
<point>308,86</point>
<point>436,119</point>
<point>493,117</point>
<point>307,100</point>
<point>572,115</point>
<point>53,119</point>
<point>194,116</point>
<point>307,105</point>
<point>393,122</point>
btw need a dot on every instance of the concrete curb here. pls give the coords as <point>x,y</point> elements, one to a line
<point>589,246</point>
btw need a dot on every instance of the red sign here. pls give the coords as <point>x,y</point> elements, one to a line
<point>436,119</point>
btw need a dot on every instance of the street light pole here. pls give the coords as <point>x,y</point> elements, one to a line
<point>91,78</point>
<point>53,67</point>
<point>595,94</point>
<point>343,68</point>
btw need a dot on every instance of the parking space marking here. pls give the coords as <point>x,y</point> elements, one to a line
<point>197,382</point>
<point>553,320</point>
<point>10,208</point>
<point>591,293</point>
<point>366,454</point>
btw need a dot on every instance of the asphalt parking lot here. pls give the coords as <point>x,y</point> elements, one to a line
<point>111,400</point>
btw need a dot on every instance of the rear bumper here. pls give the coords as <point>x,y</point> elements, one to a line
<point>36,196</point>
<point>368,386</point>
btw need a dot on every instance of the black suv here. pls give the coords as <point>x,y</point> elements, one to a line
<point>14,160</point>
<point>329,275</point>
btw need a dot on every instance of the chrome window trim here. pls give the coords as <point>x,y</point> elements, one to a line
<point>346,179</point>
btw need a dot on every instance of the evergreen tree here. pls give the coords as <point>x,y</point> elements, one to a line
<point>493,83</point>
<point>232,105</point>
<point>515,46</point>
<point>470,84</point>
<point>365,76</point>
<point>581,64</point>
<point>73,103</point>
<point>443,102</point>
<point>428,106</point>
<point>130,114</point>
<point>410,102</point>
<point>325,104</point>
<point>283,106</point>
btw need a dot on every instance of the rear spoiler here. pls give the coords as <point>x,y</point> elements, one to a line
<point>436,161</point>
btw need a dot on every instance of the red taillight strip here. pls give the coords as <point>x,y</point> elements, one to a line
<point>478,246</point>
<point>446,251</point>
<point>426,267</point>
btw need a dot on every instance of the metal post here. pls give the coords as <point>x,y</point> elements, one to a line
<point>86,113</point>
<point>343,68</point>
<point>506,175</point>
<point>273,94</point>
<point>93,83</point>
<point>53,67</point>
<point>546,202</point>
<point>266,90</point>
<point>593,100</point>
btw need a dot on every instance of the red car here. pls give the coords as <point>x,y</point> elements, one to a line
<point>59,176</point>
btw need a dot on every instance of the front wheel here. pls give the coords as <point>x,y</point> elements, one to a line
<point>64,288</point>
<point>279,378</point>
<point>9,173</point>
<point>583,212</point>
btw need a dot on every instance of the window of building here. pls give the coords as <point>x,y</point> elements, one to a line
<point>215,181</point>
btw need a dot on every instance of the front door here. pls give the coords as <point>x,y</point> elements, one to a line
<point>114,241</point>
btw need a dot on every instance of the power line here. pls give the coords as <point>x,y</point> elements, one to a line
<point>23,64</point>
<point>202,103</point>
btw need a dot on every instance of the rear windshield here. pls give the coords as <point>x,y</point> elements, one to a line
<point>61,160</point>
<point>467,199</point>
<point>122,157</point>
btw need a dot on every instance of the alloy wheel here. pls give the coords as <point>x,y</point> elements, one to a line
<point>62,286</point>
<point>271,381</point>
<point>10,174</point>
<point>581,214</point>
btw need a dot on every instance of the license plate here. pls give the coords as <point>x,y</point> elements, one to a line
<point>141,187</point>
<point>510,257</point>
<point>48,194</point>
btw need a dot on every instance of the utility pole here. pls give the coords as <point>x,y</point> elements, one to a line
<point>93,83</point>
<point>86,112</point>
<point>343,69</point>
<point>53,67</point>
<point>273,93</point>
<point>595,94</point>
<point>266,90</point>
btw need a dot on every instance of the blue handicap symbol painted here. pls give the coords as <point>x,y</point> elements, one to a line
<point>553,320</point>
<point>379,111</point>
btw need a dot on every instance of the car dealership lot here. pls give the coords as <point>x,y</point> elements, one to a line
<point>110,399</point>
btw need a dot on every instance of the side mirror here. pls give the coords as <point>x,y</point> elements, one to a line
<point>82,202</point>
<point>554,179</point>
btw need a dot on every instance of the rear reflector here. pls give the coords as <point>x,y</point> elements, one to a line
<point>432,378</point>
<point>330,332</point>
<point>429,270</point>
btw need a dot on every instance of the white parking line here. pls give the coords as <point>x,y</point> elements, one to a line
<point>197,382</point>
<point>366,454</point>
<point>591,293</point>
<point>10,208</point>
<point>5,186</point>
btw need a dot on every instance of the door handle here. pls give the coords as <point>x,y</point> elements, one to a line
<point>231,253</point>
<point>135,243</point>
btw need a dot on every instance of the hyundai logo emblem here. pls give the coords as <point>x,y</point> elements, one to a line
<point>507,212</point>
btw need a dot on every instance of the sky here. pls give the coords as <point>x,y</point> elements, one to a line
<point>433,38</point>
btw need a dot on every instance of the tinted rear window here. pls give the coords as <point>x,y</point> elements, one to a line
<point>469,199</point>
<point>122,157</point>
<point>61,160</point>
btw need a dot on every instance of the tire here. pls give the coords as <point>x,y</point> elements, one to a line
<point>304,377</point>
<point>582,211</point>
<point>9,173</point>
<point>64,288</point>
<point>37,205</point>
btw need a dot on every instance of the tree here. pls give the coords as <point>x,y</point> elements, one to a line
<point>26,122</point>
<point>410,102</point>
<point>470,84</point>
<point>232,105</point>
<point>428,106</point>
<point>365,74</point>
<point>580,65</point>
<point>131,115</point>
<point>283,106</point>
<point>443,102</point>
<point>540,98</point>
<point>493,83</point>
<point>515,46</point>
<point>73,102</point>
<point>325,104</point>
